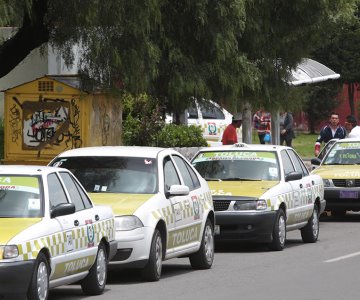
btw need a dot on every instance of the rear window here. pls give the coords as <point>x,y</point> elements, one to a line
<point>103,174</point>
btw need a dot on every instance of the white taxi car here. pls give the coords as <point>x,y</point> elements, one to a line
<point>50,233</point>
<point>163,207</point>
<point>340,170</point>
<point>211,117</point>
<point>260,192</point>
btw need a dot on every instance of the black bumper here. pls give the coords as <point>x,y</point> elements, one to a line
<point>112,250</point>
<point>254,227</point>
<point>15,277</point>
<point>334,202</point>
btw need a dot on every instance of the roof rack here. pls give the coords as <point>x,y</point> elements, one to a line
<point>241,145</point>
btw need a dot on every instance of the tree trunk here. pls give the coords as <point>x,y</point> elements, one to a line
<point>351,89</point>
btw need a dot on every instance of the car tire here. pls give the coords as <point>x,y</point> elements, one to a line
<point>152,270</point>
<point>310,232</point>
<point>39,284</point>
<point>279,232</point>
<point>204,257</point>
<point>94,283</point>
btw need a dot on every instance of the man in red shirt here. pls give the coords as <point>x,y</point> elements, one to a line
<point>230,135</point>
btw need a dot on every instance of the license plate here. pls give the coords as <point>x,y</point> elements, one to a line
<point>217,229</point>
<point>349,194</point>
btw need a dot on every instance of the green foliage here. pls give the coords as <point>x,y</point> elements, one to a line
<point>141,120</point>
<point>181,136</point>
<point>321,102</point>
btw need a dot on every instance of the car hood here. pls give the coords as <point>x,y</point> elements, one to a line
<point>10,227</point>
<point>338,171</point>
<point>240,188</point>
<point>121,204</point>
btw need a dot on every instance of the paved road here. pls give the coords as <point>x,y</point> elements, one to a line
<point>328,269</point>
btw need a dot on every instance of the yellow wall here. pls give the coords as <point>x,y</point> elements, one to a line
<point>44,117</point>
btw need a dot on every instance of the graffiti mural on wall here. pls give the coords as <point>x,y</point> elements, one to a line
<point>47,123</point>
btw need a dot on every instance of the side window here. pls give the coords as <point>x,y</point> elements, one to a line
<point>192,111</point>
<point>74,191</point>
<point>299,166</point>
<point>56,191</point>
<point>210,111</point>
<point>193,176</point>
<point>170,175</point>
<point>185,173</point>
<point>288,166</point>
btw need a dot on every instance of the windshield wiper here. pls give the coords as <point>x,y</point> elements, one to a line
<point>240,179</point>
<point>212,179</point>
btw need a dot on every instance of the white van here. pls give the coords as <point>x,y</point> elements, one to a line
<point>211,117</point>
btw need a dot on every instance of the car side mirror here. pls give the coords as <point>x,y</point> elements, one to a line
<point>178,190</point>
<point>293,176</point>
<point>316,161</point>
<point>62,209</point>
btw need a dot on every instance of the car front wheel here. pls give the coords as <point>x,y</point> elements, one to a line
<point>39,285</point>
<point>152,270</point>
<point>279,232</point>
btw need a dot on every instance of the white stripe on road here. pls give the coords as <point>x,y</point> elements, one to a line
<point>342,257</point>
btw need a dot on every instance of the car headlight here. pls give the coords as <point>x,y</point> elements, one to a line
<point>327,182</point>
<point>127,223</point>
<point>9,251</point>
<point>250,205</point>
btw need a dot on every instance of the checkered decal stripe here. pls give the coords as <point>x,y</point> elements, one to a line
<point>56,243</point>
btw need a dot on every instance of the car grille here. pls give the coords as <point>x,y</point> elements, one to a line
<point>342,182</point>
<point>220,205</point>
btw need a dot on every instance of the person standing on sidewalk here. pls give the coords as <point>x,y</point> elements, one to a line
<point>352,128</point>
<point>262,121</point>
<point>287,132</point>
<point>331,131</point>
<point>230,135</point>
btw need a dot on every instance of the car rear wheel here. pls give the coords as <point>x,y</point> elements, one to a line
<point>39,284</point>
<point>94,283</point>
<point>204,257</point>
<point>279,232</point>
<point>152,270</point>
<point>310,232</point>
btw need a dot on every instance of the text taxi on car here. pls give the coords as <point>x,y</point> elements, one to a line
<point>50,233</point>
<point>163,208</point>
<point>340,170</point>
<point>260,192</point>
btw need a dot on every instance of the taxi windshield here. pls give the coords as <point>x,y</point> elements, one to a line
<point>343,153</point>
<point>104,174</point>
<point>237,165</point>
<point>20,197</point>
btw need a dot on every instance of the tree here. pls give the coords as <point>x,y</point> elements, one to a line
<point>225,50</point>
<point>340,50</point>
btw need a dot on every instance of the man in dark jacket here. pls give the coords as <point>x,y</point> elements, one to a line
<point>287,132</point>
<point>331,131</point>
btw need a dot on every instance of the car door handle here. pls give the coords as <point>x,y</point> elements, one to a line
<point>97,218</point>
<point>301,186</point>
<point>76,223</point>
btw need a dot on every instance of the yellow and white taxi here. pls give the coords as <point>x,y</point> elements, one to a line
<point>50,233</point>
<point>260,192</point>
<point>340,170</point>
<point>163,208</point>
